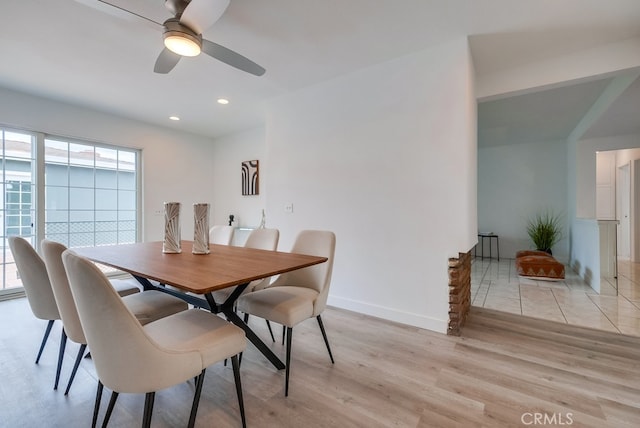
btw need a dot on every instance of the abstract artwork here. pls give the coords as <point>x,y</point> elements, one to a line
<point>250,177</point>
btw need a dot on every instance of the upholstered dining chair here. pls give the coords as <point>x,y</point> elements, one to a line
<point>131,358</point>
<point>40,295</point>
<point>261,239</point>
<point>221,235</point>
<point>36,286</point>
<point>298,295</point>
<point>147,306</point>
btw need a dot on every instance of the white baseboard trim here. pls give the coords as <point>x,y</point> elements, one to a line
<point>390,314</point>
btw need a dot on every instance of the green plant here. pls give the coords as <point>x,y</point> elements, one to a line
<point>545,230</point>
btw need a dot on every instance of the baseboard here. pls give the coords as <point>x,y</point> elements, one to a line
<point>389,314</point>
<point>12,294</point>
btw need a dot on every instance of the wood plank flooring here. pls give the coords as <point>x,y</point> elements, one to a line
<point>505,370</point>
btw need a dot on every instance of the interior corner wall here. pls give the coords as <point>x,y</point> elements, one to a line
<point>175,164</point>
<point>607,59</point>
<point>516,182</point>
<point>586,168</point>
<point>585,240</point>
<point>228,154</point>
<point>383,157</point>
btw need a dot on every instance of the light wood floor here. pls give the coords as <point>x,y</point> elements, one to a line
<point>505,370</point>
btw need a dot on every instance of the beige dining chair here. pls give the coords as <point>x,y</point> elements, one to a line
<point>147,306</point>
<point>297,295</point>
<point>37,287</point>
<point>221,235</point>
<point>40,295</point>
<point>131,358</point>
<point>261,239</point>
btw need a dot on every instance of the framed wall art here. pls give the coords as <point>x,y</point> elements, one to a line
<point>250,178</point>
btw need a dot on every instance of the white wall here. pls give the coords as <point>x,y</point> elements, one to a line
<point>176,165</point>
<point>386,158</point>
<point>517,181</point>
<point>631,157</point>
<point>585,250</point>
<point>606,185</point>
<point>228,154</point>
<point>586,168</point>
<point>585,253</point>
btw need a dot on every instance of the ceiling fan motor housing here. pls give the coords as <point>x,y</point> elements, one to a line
<point>176,6</point>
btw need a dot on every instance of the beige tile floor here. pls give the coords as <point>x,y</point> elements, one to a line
<point>496,285</point>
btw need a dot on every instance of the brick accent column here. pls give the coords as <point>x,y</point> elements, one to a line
<point>459,292</point>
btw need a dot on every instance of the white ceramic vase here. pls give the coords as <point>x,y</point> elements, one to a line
<point>171,242</point>
<point>200,229</point>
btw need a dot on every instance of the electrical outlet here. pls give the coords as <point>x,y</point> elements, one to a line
<point>288,208</point>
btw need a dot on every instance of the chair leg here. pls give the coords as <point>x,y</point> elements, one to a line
<point>286,380</point>
<point>63,344</point>
<point>236,375</point>
<point>112,403</point>
<point>96,408</point>
<point>75,366</point>
<point>324,335</point>
<point>246,318</point>
<point>270,331</point>
<point>284,333</point>
<point>44,339</point>
<point>148,409</point>
<point>196,398</point>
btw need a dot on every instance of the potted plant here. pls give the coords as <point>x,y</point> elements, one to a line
<point>545,230</point>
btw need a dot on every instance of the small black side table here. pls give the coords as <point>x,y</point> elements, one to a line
<point>481,237</point>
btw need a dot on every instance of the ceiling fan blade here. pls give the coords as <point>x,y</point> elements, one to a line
<point>166,61</point>
<point>120,12</point>
<point>231,58</point>
<point>201,14</point>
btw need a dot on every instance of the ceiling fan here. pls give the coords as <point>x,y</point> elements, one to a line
<point>183,34</point>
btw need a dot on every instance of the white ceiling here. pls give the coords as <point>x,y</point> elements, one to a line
<point>68,51</point>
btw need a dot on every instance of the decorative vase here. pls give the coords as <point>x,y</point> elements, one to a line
<point>171,242</point>
<point>263,221</point>
<point>200,229</point>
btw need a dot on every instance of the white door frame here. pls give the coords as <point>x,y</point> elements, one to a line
<point>623,210</point>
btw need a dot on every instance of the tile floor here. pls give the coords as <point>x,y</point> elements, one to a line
<point>496,285</point>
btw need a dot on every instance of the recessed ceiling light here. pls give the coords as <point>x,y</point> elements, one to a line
<point>174,118</point>
<point>223,101</point>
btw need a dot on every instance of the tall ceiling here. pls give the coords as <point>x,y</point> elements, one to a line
<point>85,53</point>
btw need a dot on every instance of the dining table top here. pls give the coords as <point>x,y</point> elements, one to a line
<point>225,265</point>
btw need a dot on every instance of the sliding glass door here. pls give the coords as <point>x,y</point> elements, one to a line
<point>75,192</point>
<point>18,205</point>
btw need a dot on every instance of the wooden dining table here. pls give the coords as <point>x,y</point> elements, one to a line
<point>201,274</point>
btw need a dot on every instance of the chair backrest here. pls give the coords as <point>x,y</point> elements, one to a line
<point>263,239</point>
<point>221,235</point>
<point>52,255</point>
<point>35,280</point>
<point>125,357</point>
<point>318,277</point>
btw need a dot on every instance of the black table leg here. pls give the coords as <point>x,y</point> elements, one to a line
<point>227,308</point>
<point>253,338</point>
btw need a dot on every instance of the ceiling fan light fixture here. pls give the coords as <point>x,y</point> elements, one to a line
<point>182,44</point>
<point>181,39</point>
